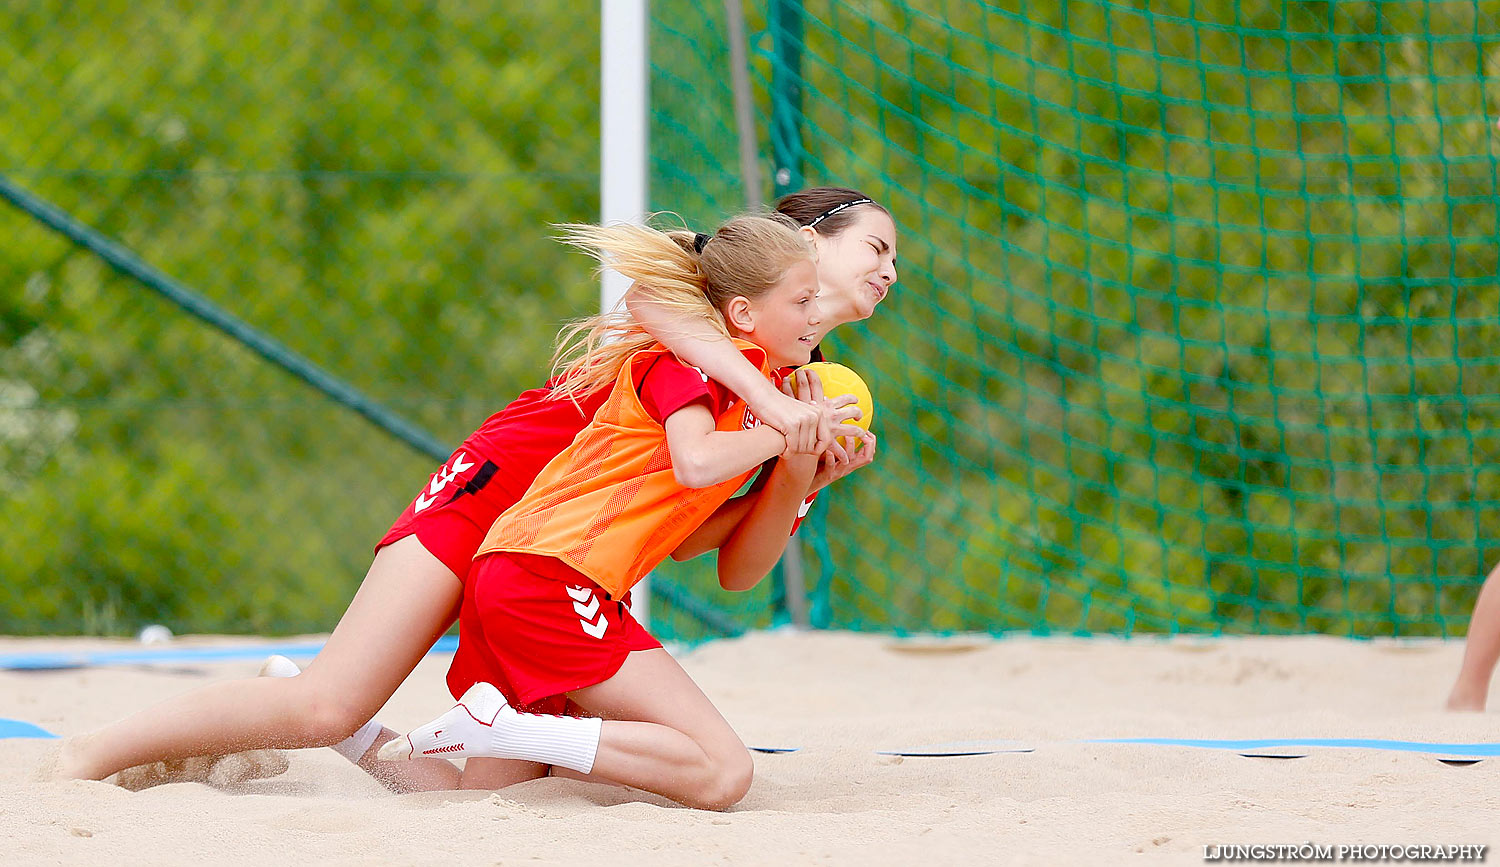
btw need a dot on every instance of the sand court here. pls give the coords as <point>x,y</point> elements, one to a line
<point>838,699</point>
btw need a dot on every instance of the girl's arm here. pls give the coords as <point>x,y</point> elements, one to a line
<point>699,344</point>
<point>720,526</point>
<point>833,465</point>
<point>757,542</point>
<point>703,456</point>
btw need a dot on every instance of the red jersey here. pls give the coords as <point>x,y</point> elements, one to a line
<point>489,472</point>
<point>530,431</point>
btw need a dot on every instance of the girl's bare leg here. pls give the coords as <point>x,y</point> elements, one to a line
<point>491,774</point>
<point>407,600</point>
<point>660,733</point>
<point>1481,649</point>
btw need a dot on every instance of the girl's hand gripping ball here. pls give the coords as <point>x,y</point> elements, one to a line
<point>839,380</point>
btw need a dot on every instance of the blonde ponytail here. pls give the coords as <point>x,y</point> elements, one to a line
<point>689,281</point>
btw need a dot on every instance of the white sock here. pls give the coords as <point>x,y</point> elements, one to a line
<point>354,746</point>
<point>484,724</point>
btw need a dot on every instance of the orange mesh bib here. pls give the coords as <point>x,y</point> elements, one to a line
<point>609,505</point>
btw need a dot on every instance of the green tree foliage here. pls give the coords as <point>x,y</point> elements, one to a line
<point>372,184</point>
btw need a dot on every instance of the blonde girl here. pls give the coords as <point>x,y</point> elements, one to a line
<point>551,669</point>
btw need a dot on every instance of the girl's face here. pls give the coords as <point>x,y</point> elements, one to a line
<point>856,267</point>
<point>786,321</point>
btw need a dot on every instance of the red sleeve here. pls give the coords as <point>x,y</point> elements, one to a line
<point>669,385</point>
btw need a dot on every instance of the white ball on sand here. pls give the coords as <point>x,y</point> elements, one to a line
<point>155,634</point>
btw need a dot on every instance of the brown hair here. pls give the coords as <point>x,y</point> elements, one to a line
<point>808,205</point>
<point>692,279</point>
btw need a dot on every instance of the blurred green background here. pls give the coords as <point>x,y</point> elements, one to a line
<point>1196,328</point>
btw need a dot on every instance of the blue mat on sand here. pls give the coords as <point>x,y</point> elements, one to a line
<point>173,655</point>
<point>1459,753</point>
<point>14,728</point>
<point>1468,750</point>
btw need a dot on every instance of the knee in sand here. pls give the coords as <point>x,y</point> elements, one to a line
<point>729,780</point>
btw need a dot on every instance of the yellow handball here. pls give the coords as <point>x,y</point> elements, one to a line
<point>837,380</point>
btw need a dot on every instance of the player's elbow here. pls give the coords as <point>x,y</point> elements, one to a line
<point>737,578</point>
<point>686,475</point>
<point>637,306</point>
<point>693,471</point>
<point>737,584</point>
<point>686,551</point>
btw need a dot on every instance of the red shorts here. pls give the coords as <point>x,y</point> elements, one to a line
<point>451,515</point>
<point>536,638</point>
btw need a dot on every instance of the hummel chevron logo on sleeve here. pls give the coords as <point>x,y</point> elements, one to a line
<point>442,479</point>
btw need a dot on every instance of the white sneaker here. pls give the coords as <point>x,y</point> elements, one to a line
<point>465,730</point>
<point>277,665</point>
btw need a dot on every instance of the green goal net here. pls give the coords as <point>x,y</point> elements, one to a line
<point>1197,321</point>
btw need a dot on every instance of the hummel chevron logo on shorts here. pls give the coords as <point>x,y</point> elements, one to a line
<point>586,606</point>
